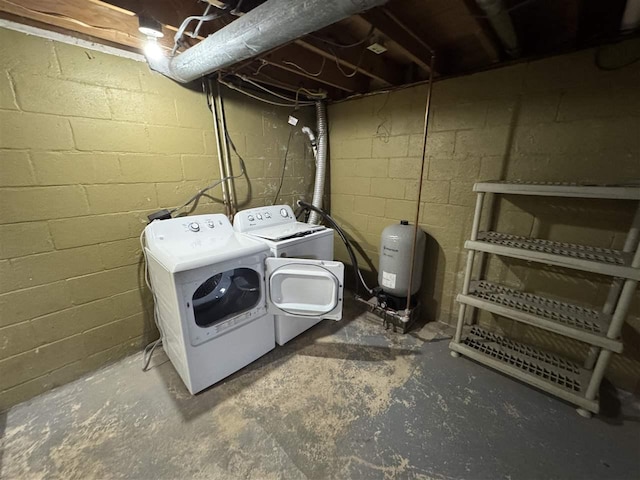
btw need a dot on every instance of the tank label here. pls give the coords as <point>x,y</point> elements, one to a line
<point>388,279</point>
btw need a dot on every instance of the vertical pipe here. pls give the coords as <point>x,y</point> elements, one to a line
<point>417,219</point>
<point>227,156</point>
<point>216,131</point>
<point>616,287</point>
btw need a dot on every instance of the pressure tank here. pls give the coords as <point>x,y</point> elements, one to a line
<point>395,259</point>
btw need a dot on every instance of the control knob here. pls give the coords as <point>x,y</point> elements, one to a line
<point>283,212</point>
<point>194,227</point>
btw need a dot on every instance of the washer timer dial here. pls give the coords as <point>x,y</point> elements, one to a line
<point>283,212</point>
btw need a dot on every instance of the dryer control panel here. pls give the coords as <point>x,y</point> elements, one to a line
<point>184,228</point>
<point>185,243</point>
<point>263,217</point>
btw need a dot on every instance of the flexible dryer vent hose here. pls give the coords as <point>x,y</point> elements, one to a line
<point>321,161</point>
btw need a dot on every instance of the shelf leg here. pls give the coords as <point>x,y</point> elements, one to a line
<point>624,302</point>
<point>476,216</point>
<point>630,244</point>
<point>465,290</point>
<point>584,413</point>
<point>467,274</point>
<point>598,373</point>
<point>609,306</point>
<point>481,257</point>
<point>615,328</point>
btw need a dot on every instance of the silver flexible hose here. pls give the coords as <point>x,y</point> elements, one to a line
<point>321,161</point>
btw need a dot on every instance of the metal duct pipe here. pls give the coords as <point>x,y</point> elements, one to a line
<point>630,17</point>
<point>321,161</point>
<point>499,18</point>
<point>312,140</point>
<point>267,26</point>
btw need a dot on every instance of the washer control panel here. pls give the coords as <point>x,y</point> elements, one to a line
<point>263,217</point>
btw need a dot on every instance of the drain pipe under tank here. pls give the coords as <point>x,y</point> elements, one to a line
<point>321,160</point>
<point>407,311</point>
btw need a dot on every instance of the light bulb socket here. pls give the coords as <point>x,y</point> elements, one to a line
<point>150,27</point>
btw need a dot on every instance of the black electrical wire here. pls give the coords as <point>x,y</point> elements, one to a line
<point>243,171</point>
<point>354,261</point>
<point>284,166</point>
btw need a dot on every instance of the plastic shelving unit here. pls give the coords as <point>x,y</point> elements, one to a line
<point>578,384</point>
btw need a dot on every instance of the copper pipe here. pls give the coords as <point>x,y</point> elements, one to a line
<point>424,151</point>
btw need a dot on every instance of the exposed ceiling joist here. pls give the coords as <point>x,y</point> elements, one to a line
<point>297,60</point>
<point>408,29</point>
<point>85,17</point>
<point>364,62</point>
<point>388,25</point>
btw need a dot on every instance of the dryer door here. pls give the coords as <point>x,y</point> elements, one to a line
<point>305,288</point>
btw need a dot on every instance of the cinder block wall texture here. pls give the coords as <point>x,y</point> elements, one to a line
<point>557,119</point>
<point>89,145</point>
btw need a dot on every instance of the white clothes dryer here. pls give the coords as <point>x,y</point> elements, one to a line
<point>216,293</point>
<point>277,227</point>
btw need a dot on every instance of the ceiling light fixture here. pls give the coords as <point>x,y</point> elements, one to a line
<point>152,49</point>
<point>150,27</point>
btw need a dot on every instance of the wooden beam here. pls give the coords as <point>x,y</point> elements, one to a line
<point>389,26</point>
<point>367,63</point>
<point>84,17</point>
<point>297,60</point>
<point>170,14</point>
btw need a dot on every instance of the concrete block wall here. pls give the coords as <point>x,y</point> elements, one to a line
<point>90,144</point>
<point>557,119</point>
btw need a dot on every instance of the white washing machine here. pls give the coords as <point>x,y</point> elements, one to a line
<point>277,227</point>
<point>217,291</point>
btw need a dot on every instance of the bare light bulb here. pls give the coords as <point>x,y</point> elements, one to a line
<point>150,27</point>
<point>152,49</point>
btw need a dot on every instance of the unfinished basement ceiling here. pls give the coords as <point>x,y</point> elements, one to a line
<point>458,31</point>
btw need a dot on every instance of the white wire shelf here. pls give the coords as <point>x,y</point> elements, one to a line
<point>544,370</point>
<point>573,321</point>
<point>558,189</point>
<point>604,261</point>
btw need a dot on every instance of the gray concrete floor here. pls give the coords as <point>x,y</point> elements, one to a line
<point>344,400</point>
